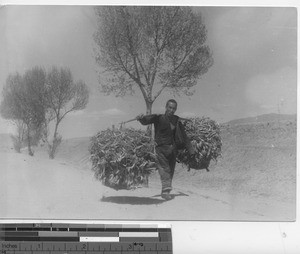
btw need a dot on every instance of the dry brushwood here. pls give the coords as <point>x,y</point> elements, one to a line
<point>204,135</point>
<point>122,158</point>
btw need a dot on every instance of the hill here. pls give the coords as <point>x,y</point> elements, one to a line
<point>269,130</point>
<point>262,156</point>
<point>266,118</point>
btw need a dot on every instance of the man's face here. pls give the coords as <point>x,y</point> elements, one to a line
<point>171,108</point>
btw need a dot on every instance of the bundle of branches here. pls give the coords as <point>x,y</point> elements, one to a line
<point>204,135</point>
<point>122,158</point>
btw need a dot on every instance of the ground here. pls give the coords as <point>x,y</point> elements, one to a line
<point>255,180</point>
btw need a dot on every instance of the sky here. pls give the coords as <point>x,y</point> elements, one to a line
<point>254,70</point>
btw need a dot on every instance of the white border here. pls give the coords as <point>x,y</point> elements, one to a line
<point>210,237</point>
<point>239,3</point>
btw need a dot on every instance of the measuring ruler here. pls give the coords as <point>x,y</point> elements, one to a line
<point>49,238</point>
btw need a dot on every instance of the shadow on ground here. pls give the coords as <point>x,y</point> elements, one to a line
<point>174,195</point>
<point>132,200</point>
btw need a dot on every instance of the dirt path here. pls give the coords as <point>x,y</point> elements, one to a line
<point>36,187</point>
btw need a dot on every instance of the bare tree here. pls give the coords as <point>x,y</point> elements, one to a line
<point>23,100</point>
<point>152,48</point>
<point>63,96</point>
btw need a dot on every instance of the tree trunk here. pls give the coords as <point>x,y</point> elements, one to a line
<point>149,112</point>
<point>54,143</point>
<point>28,142</point>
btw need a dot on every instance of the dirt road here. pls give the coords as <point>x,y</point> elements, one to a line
<point>36,187</point>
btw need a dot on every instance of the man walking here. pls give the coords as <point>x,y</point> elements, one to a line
<point>167,128</point>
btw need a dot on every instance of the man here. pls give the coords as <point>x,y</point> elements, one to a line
<point>166,128</point>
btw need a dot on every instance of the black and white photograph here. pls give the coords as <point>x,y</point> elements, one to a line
<point>127,112</point>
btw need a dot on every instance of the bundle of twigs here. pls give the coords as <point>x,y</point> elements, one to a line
<point>205,137</point>
<point>122,158</point>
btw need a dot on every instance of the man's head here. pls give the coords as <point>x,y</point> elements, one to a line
<point>171,107</point>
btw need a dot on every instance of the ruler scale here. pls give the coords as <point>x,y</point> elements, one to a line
<point>57,238</point>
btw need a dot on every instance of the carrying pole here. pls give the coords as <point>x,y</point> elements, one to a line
<point>131,120</point>
<point>184,119</point>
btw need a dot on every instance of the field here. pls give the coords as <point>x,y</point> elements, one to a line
<point>255,180</point>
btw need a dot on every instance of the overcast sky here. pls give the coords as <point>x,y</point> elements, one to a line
<point>254,71</point>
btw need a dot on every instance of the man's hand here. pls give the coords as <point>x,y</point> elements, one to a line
<point>139,117</point>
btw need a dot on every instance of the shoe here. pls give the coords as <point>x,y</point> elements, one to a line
<point>166,196</point>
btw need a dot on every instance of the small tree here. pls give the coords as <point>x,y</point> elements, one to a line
<point>152,48</point>
<point>18,139</point>
<point>35,81</point>
<point>23,100</point>
<point>63,96</point>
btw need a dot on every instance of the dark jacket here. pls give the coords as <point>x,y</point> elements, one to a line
<point>164,134</point>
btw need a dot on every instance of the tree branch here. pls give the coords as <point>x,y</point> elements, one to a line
<point>121,62</point>
<point>182,60</point>
<point>143,70</point>
<point>64,114</point>
<point>133,55</point>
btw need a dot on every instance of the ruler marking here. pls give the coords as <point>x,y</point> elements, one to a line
<point>90,239</point>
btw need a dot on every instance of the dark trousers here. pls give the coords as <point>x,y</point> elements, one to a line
<point>166,160</point>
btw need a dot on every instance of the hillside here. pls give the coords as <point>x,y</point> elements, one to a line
<point>260,159</point>
<point>266,118</point>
